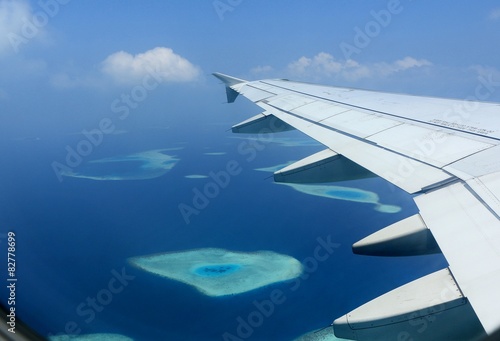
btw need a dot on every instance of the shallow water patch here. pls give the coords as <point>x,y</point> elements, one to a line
<point>138,166</point>
<point>345,193</point>
<point>219,272</point>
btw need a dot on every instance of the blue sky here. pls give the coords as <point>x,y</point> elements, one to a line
<point>63,62</point>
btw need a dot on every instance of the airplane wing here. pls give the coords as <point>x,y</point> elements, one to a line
<point>445,153</point>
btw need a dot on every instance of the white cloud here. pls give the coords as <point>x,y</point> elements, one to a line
<point>409,62</point>
<point>386,69</point>
<point>487,72</point>
<point>495,14</point>
<point>13,14</point>
<point>325,65</point>
<point>261,69</point>
<point>20,24</point>
<point>160,62</point>
<point>300,65</point>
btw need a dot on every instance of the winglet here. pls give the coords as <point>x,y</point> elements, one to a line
<point>230,82</point>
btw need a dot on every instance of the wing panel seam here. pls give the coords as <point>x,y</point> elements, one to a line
<point>359,139</point>
<point>384,113</point>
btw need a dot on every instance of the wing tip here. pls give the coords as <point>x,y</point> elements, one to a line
<point>228,80</point>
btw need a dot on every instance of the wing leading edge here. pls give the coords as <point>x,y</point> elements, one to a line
<point>448,157</point>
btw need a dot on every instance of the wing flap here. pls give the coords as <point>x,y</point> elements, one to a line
<point>468,234</point>
<point>477,165</point>
<point>487,187</point>
<point>432,146</point>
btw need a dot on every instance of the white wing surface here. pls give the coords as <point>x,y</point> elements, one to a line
<point>446,153</point>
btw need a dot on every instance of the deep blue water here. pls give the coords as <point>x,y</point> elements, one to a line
<point>74,236</point>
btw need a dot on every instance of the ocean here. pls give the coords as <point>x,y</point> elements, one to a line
<point>163,191</point>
